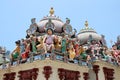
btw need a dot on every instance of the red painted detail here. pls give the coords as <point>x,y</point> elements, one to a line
<point>86,76</point>
<point>30,74</point>
<point>65,74</point>
<point>9,76</point>
<point>96,69</point>
<point>108,73</point>
<point>47,71</point>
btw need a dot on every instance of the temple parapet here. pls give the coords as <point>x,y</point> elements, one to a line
<point>40,65</point>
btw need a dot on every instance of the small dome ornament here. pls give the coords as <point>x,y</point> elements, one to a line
<point>51,11</point>
<point>86,24</point>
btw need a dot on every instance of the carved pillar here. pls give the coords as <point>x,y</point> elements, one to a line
<point>96,69</point>
<point>108,73</point>
<point>34,73</point>
<point>77,75</point>
<point>26,74</point>
<point>65,74</point>
<point>61,73</point>
<point>105,72</point>
<point>9,76</point>
<point>47,71</point>
<point>30,74</point>
<point>86,76</point>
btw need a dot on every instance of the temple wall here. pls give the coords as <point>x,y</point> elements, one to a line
<point>105,64</point>
<point>59,64</point>
<point>40,64</point>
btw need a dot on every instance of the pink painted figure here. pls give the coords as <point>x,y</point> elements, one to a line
<point>116,53</point>
<point>49,40</point>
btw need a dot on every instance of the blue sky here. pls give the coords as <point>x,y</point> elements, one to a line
<point>15,16</point>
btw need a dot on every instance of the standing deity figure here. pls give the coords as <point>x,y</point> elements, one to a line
<point>71,51</point>
<point>67,28</point>
<point>63,44</point>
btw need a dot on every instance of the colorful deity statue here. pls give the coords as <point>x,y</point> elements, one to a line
<point>15,55</point>
<point>67,28</point>
<point>41,44</point>
<point>22,45</point>
<point>63,44</point>
<point>71,51</point>
<point>76,46</point>
<point>33,43</point>
<point>49,40</point>
<point>57,43</point>
<point>25,54</point>
<point>116,54</point>
<point>49,43</point>
<point>83,54</point>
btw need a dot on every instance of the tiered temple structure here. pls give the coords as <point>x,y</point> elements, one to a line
<point>53,51</point>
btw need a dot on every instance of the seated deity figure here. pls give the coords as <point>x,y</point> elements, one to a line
<point>83,54</point>
<point>106,54</point>
<point>95,48</point>
<point>49,41</point>
<point>15,55</point>
<point>116,54</point>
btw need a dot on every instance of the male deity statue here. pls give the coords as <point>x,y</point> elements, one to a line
<point>67,28</point>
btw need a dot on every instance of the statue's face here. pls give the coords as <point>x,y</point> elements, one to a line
<point>114,47</point>
<point>49,32</point>
<point>67,21</point>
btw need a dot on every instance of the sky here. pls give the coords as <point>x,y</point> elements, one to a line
<point>15,17</point>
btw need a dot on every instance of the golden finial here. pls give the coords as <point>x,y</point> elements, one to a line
<point>51,11</point>
<point>86,24</point>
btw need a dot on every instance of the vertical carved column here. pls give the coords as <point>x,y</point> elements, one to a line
<point>105,72</point>
<point>26,74</point>
<point>65,74</point>
<point>30,74</point>
<point>47,71</point>
<point>86,76</point>
<point>9,76</point>
<point>61,73</point>
<point>108,73</point>
<point>96,69</point>
<point>34,73</point>
<point>77,75</point>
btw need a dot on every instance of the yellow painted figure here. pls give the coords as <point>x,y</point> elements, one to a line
<point>15,55</point>
<point>71,51</point>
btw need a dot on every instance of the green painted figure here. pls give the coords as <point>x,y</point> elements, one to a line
<point>63,44</point>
